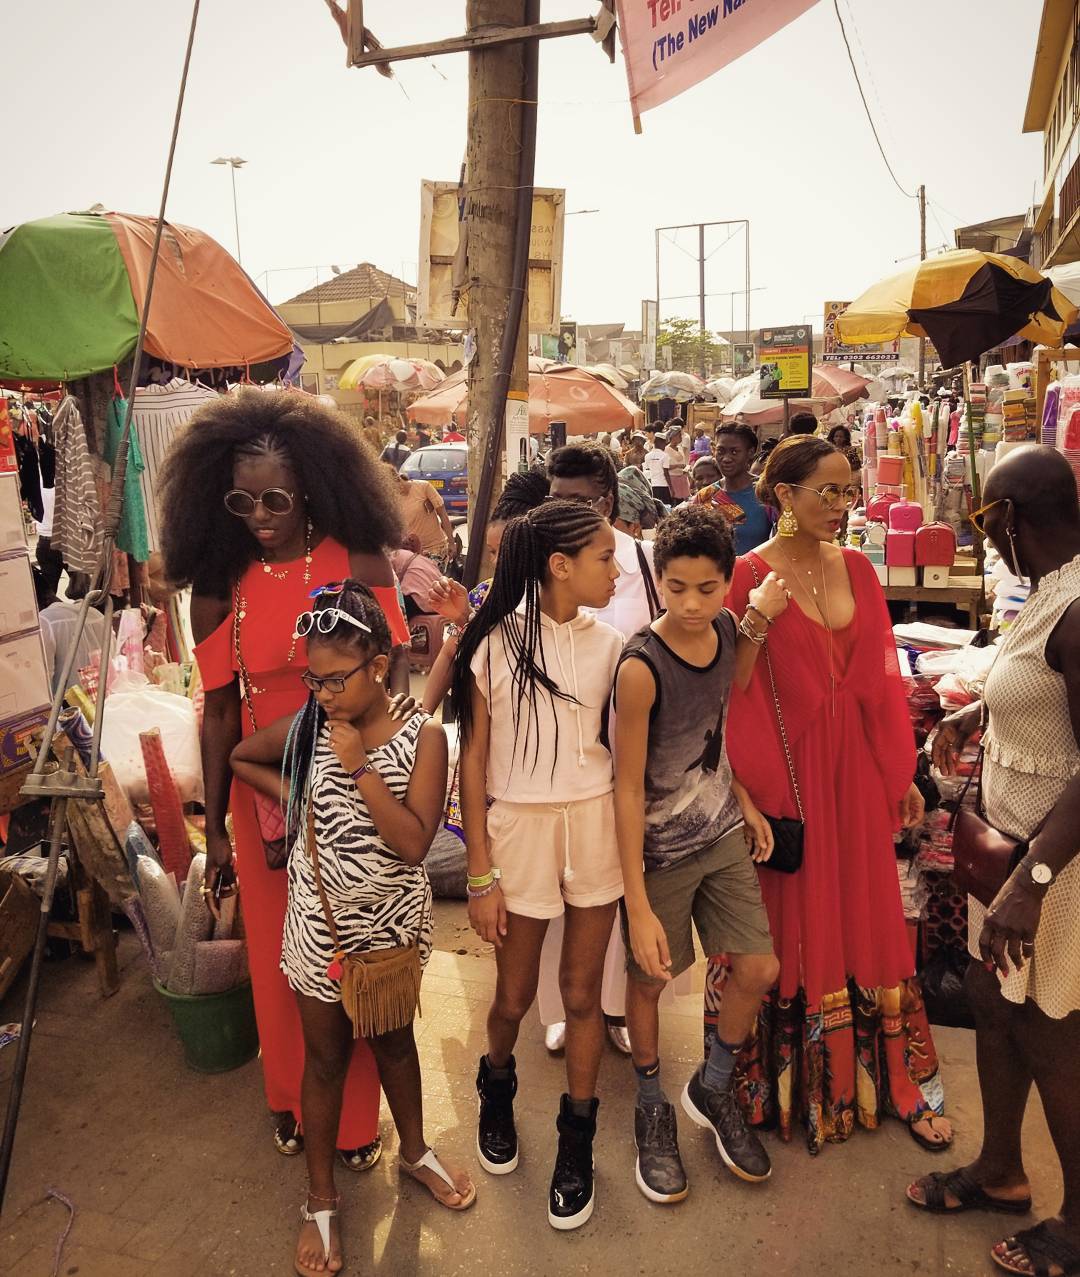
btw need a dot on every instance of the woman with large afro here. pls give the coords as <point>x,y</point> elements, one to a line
<point>266,496</point>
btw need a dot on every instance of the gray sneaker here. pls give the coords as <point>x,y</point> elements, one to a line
<point>718,1111</point>
<point>659,1172</point>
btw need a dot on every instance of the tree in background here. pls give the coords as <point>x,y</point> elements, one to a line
<point>687,344</point>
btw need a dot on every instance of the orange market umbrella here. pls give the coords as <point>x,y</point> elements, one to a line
<point>557,392</point>
<point>72,288</point>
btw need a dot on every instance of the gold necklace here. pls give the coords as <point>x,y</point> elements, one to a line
<point>284,574</point>
<point>825,615</point>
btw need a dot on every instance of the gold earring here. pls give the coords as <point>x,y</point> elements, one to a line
<point>788,525</point>
<point>378,678</point>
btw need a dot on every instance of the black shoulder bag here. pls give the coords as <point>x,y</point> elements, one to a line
<point>788,834</point>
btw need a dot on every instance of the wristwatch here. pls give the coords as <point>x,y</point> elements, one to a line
<point>1040,873</point>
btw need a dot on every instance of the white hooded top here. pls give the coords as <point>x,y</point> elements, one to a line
<point>580,657</point>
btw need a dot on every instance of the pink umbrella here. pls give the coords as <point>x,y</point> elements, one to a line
<point>557,392</point>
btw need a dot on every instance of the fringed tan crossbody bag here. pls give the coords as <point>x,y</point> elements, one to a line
<point>380,989</point>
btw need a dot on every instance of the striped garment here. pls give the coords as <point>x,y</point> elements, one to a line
<point>378,901</point>
<point>158,415</point>
<point>77,523</point>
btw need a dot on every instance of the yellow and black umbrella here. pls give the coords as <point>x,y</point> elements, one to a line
<point>965,302</point>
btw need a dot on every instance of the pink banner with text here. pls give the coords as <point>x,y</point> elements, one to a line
<point>671,45</point>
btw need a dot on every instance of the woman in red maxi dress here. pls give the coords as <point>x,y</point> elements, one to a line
<point>265,565</point>
<point>844,1037</point>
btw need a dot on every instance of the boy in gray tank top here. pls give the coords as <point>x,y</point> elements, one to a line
<point>688,838</point>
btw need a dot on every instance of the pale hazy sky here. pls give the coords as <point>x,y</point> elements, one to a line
<point>336,157</point>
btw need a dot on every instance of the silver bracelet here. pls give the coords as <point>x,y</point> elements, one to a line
<point>474,894</point>
<point>747,631</point>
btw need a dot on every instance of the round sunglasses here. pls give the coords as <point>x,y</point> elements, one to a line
<point>273,500</point>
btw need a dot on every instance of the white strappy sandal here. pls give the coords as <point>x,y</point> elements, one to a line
<point>430,1162</point>
<point>321,1219</point>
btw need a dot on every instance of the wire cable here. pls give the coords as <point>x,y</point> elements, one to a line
<point>866,105</point>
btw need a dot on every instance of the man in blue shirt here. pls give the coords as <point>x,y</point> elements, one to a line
<point>736,447</point>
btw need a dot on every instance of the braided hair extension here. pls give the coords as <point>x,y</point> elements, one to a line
<point>555,527</point>
<point>355,599</point>
<point>522,493</point>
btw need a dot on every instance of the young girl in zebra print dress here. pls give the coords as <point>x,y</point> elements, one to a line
<point>370,790</point>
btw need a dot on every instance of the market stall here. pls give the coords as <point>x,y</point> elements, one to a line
<point>75,288</point>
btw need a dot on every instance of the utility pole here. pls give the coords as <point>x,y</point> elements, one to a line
<point>496,111</point>
<point>701,292</point>
<point>922,258</point>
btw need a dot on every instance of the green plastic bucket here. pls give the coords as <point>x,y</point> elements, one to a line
<point>217,1029</point>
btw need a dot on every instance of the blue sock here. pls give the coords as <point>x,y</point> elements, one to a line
<point>649,1090</point>
<point>721,1064</point>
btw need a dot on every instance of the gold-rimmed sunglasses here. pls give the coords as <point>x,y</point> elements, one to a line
<point>977,518</point>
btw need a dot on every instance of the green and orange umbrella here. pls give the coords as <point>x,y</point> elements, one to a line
<point>965,301</point>
<point>72,289</point>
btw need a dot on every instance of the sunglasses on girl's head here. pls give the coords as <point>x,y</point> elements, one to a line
<point>243,504</point>
<point>324,621</point>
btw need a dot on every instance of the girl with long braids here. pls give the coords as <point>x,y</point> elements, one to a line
<point>364,796</point>
<point>266,495</point>
<point>521,493</point>
<point>531,687</point>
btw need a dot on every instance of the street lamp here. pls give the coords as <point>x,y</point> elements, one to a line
<point>234,162</point>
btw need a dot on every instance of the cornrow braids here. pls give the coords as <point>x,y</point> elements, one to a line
<point>356,600</point>
<point>589,460</point>
<point>555,527</point>
<point>521,493</point>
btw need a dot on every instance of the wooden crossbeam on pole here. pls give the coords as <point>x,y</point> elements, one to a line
<point>488,38</point>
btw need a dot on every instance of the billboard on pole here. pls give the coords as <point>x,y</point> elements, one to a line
<point>835,352</point>
<point>784,357</point>
<point>440,290</point>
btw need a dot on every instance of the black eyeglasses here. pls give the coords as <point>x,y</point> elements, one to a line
<point>832,493</point>
<point>243,504</point>
<point>333,682</point>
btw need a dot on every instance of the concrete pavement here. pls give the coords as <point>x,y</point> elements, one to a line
<point>173,1174</point>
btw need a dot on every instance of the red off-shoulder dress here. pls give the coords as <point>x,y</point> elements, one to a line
<point>270,609</point>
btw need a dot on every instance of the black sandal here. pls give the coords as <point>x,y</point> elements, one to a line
<point>288,1138</point>
<point>362,1158</point>
<point>931,1146</point>
<point>1043,1247</point>
<point>969,1196</point>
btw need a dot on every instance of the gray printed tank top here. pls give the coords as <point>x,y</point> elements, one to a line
<point>688,799</point>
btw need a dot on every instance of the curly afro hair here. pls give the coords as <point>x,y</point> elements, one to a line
<point>695,532</point>
<point>350,496</point>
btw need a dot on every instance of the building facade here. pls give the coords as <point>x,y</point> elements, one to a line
<point>1053,109</point>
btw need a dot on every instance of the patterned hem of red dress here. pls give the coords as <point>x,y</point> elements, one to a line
<point>853,1058</point>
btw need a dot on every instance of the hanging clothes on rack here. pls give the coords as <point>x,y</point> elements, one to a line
<point>131,535</point>
<point>29,476</point>
<point>160,412</point>
<point>77,523</point>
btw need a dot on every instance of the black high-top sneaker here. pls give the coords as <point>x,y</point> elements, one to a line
<point>570,1201</point>
<point>496,1135</point>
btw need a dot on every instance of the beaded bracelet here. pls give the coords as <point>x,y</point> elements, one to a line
<point>751,608</point>
<point>475,894</point>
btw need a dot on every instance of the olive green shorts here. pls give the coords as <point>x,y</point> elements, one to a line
<point>715,889</point>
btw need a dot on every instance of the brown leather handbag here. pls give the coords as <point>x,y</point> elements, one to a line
<point>984,858</point>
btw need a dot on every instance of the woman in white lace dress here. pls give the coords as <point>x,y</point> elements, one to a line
<point>1024,984</point>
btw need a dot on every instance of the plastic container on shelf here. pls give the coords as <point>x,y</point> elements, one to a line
<point>905,516</point>
<point>890,469</point>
